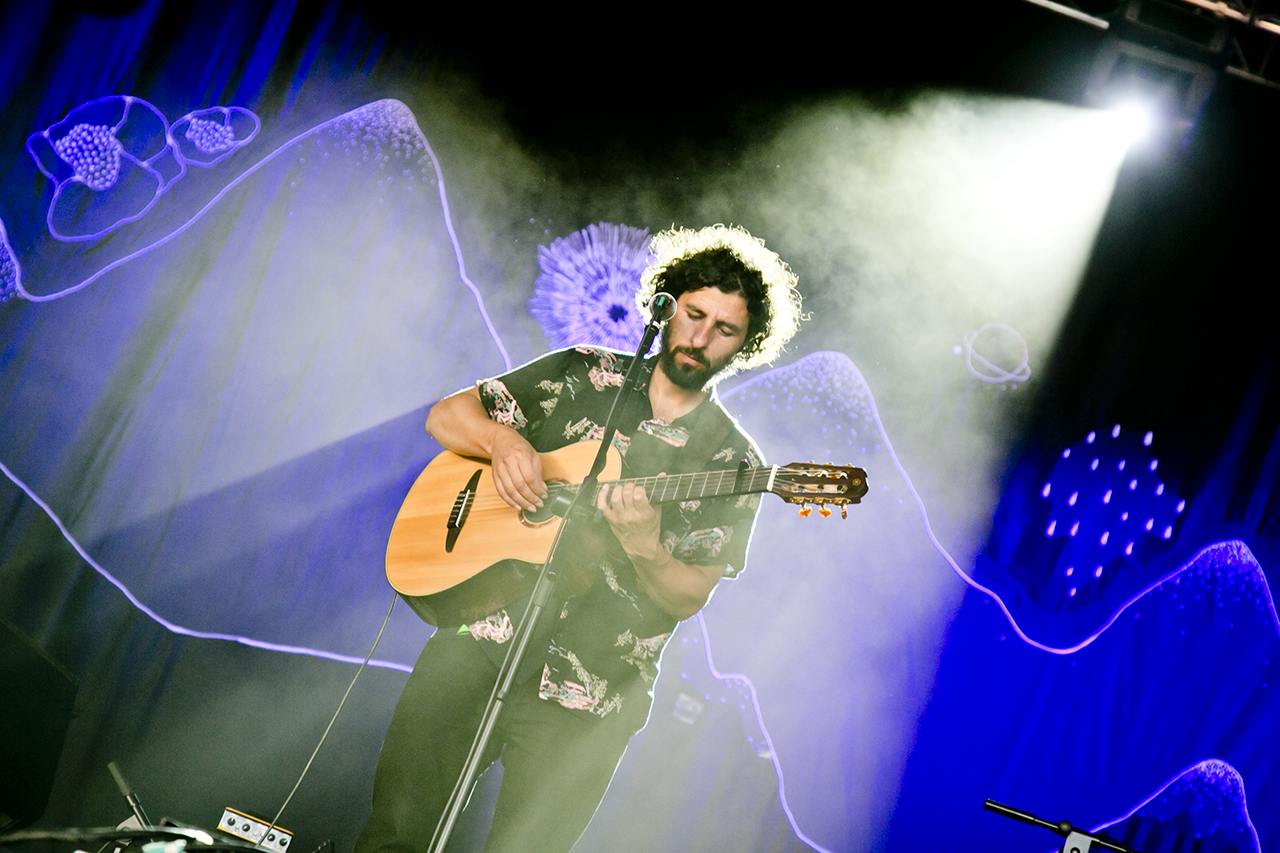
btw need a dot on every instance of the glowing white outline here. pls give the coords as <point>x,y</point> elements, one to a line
<point>172,626</point>
<point>768,741</point>
<point>1021,373</point>
<point>444,203</point>
<point>1244,804</point>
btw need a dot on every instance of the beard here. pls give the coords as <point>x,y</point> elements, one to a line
<point>690,377</point>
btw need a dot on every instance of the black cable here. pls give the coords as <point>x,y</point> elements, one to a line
<point>275,820</point>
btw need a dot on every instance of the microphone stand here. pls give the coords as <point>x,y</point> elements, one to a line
<point>661,308</point>
<point>1076,839</point>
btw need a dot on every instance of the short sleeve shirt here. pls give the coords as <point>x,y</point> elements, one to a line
<point>602,655</point>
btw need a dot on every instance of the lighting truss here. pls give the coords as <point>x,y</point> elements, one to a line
<point>1193,39</point>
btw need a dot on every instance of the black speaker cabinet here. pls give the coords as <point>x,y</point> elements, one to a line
<point>37,696</point>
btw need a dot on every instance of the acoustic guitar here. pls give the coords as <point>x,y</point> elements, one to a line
<point>453,525</point>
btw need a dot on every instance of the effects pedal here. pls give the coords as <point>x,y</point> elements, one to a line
<point>252,829</point>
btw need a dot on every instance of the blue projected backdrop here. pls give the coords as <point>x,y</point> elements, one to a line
<point>223,427</point>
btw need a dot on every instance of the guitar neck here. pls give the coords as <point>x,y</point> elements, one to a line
<point>702,484</point>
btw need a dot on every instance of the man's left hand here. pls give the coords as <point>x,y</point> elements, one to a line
<point>634,520</point>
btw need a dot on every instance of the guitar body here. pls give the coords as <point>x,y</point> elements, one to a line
<point>458,552</point>
<point>420,560</point>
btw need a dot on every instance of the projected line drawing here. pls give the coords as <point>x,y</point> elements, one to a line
<point>10,269</point>
<point>1224,558</point>
<point>173,627</point>
<point>85,157</point>
<point>1210,779</point>
<point>586,291</point>
<point>764,731</point>
<point>388,126</point>
<point>105,154</point>
<point>990,348</point>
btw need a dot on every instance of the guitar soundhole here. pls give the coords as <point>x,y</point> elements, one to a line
<point>544,514</point>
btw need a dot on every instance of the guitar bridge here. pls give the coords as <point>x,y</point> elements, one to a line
<point>461,509</point>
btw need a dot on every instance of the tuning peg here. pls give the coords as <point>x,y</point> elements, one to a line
<point>824,512</point>
<point>805,510</point>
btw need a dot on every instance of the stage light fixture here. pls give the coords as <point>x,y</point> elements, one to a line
<point>1164,56</point>
<point>1135,121</point>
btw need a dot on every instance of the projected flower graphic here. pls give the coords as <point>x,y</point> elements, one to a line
<point>10,270</point>
<point>206,137</point>
<point>112,158</point>
<point>109,163</point>
<point>586,292</point>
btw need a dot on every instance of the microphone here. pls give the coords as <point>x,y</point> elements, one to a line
<point>662,307</point>
<point>131,797</point>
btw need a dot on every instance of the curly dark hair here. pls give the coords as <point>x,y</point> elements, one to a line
<point>721,269</point>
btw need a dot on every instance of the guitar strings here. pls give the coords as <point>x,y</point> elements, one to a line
<point>664,487</point>
<point>661,487</point>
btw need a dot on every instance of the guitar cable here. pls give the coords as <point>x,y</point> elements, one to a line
<point>275,820</point>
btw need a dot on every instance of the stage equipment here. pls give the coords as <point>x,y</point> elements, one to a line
<point>1176,48</point>
<point>255,831</point>
<point>35,713</point>
<point>1076,840</point>
<point>168,837</point>
<point>127,792</point>
<point>1162,56</point>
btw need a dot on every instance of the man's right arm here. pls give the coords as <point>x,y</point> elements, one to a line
<point>461,424</point>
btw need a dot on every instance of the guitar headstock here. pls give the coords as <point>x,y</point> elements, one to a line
<point>810,484</point>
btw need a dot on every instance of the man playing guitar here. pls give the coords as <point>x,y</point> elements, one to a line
<point>586,686</point>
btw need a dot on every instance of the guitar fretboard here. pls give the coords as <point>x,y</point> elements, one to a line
<point>685,487</point>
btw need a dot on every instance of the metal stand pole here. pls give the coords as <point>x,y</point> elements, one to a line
<point>543,589</point>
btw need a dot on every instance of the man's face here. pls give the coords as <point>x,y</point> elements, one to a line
<point>707,331</point>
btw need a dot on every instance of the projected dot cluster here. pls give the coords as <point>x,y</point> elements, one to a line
<point>824,386</point>
<point>1108,503</point>
<point>93,153</point>
<point>1224,573</point>
<point>209,136</point>
<point>586,291</point>
<point>1203,807</point>
<point>378,132</point>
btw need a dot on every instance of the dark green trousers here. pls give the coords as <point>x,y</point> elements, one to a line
<point>556,764</point>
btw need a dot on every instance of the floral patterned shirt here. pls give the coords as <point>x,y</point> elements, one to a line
<point>603,645</point>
